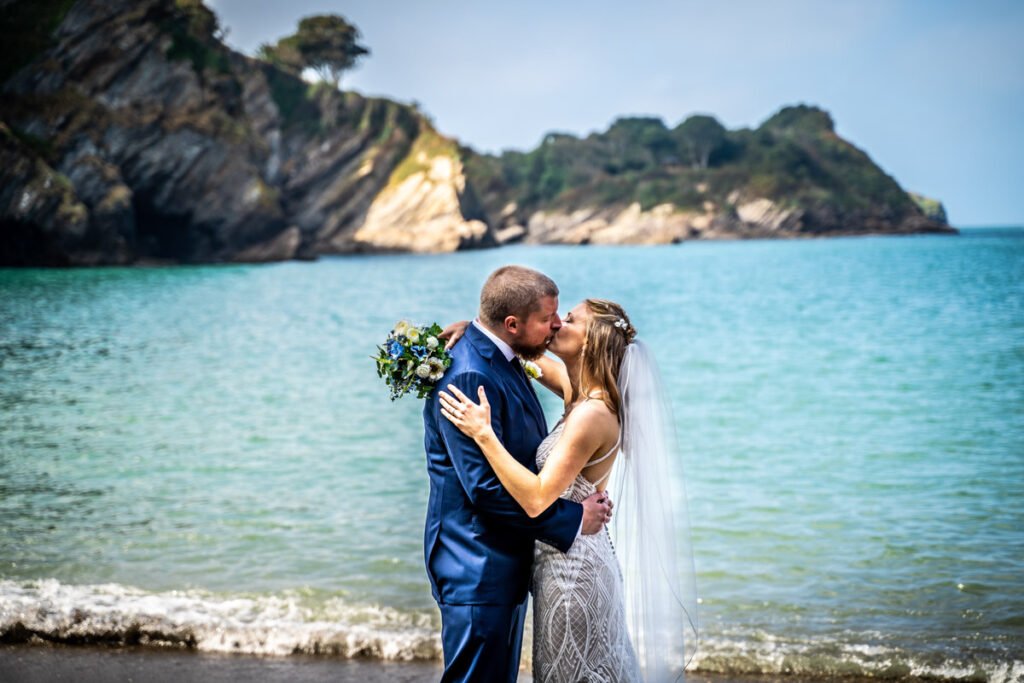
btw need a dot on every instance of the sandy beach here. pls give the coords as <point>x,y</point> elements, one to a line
<point>91,664</point>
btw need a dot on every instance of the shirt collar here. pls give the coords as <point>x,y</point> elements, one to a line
<point>505,349</point>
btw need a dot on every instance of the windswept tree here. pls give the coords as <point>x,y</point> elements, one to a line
<point>283,55</point>
<point>698,137</point>
<point>325,43</point>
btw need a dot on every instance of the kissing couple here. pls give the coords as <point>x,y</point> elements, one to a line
<point>514,508</point>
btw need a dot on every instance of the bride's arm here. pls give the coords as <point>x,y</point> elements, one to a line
<point>583,434</point>
<point>554,377</point>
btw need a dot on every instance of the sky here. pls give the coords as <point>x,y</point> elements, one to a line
<point>932,90</point>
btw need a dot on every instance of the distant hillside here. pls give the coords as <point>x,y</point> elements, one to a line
<point>130,134</point>
<point>641,181</point>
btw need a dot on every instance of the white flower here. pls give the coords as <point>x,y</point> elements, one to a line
<point>532,369</point>
<point>432,343</point>
<point>412,334</point>
<point>401,328</point>
<point>436,368</point>
<point>423,370</point>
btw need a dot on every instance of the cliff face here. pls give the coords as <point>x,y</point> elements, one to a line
<point>642,183</point>
<point>130,134</point>
<point>133,135</point>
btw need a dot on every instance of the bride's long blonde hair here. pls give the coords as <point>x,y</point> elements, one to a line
<point>604,346</point>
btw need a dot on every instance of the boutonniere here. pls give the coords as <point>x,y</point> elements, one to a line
<point>531,369</point>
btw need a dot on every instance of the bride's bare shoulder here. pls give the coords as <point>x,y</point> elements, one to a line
<point>594,416</point>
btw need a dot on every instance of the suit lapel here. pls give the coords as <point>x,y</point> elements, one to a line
<point>515,379</point>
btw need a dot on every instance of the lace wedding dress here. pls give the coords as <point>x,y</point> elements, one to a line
<point>579,616</point>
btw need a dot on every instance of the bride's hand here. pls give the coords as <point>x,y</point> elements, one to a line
<point>472,419</point>
<point>453,333</point>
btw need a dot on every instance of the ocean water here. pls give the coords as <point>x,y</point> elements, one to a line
<point>205,456</point>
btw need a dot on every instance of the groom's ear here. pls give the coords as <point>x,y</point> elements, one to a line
<point>512,324</point>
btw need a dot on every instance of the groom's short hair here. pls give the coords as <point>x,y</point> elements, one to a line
<point>514,290</point>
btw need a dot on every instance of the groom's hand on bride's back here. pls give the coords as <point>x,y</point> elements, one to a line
<point>597,511</point>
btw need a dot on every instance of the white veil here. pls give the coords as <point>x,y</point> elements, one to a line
<point>651,526</point>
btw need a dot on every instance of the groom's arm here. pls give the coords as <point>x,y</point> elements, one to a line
<point>557,526</point>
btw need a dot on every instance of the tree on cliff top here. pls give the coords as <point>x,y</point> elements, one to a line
<point>698,137</point>
<point>326,43</point>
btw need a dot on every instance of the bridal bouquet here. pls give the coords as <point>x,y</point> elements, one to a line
<point>412,358</point>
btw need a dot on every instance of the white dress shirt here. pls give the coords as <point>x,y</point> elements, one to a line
<point>499,342</point>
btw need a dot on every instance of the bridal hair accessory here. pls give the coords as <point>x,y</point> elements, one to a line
<point>627,329</point>
<point>412,358</point>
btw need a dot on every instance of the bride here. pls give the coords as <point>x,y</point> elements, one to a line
<point>615,410</point>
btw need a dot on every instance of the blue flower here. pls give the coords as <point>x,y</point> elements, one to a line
<point>395,348</point>
<point>420,352</point>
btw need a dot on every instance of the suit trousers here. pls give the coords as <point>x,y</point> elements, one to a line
<point>482,643</point>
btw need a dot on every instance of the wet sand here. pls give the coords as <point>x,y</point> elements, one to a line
<point>91,664</point>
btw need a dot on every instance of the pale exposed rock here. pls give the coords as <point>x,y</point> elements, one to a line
<point>511,234</point>
<point>662,224</point>
<point>701,223</point>
<point>764,213</point>
<point>423,213</point>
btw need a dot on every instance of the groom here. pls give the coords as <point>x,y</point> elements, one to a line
<point>478,542</point>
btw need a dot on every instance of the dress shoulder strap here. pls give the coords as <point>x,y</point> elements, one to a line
<point>602,478</point>
<point>604,457</point>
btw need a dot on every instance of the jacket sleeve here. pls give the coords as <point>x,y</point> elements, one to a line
<point>556,526</point>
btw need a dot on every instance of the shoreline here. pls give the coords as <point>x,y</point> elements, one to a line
<point>46,662</point>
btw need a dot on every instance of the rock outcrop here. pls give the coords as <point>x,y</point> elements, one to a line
<point>642,183</point>
<point>426,205</point>
<point>932,209</point>
<point>135,136</point>
<point>130,134</point>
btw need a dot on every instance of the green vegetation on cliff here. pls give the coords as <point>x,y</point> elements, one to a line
<point>428,145</point>
<point>196,35</point>
<point>795,159</point>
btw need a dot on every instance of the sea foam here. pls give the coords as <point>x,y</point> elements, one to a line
<point>270,624</point>
<point>296,623</point>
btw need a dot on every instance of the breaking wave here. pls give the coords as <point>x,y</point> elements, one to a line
<point>296,622</point>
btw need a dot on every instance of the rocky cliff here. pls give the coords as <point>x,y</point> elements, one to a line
<point>640,182</point>
<point>130,134</point>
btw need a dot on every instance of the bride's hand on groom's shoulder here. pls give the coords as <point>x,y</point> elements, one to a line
<point>453,333</point>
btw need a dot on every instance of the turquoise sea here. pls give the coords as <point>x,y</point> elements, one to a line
<point>204,455</point>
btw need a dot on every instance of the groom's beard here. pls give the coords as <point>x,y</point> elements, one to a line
<point>530,352</point>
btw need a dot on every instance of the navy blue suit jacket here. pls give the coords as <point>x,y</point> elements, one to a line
<point>478,542</point>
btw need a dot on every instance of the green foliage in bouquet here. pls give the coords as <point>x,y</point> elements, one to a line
<point>412,359</point>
